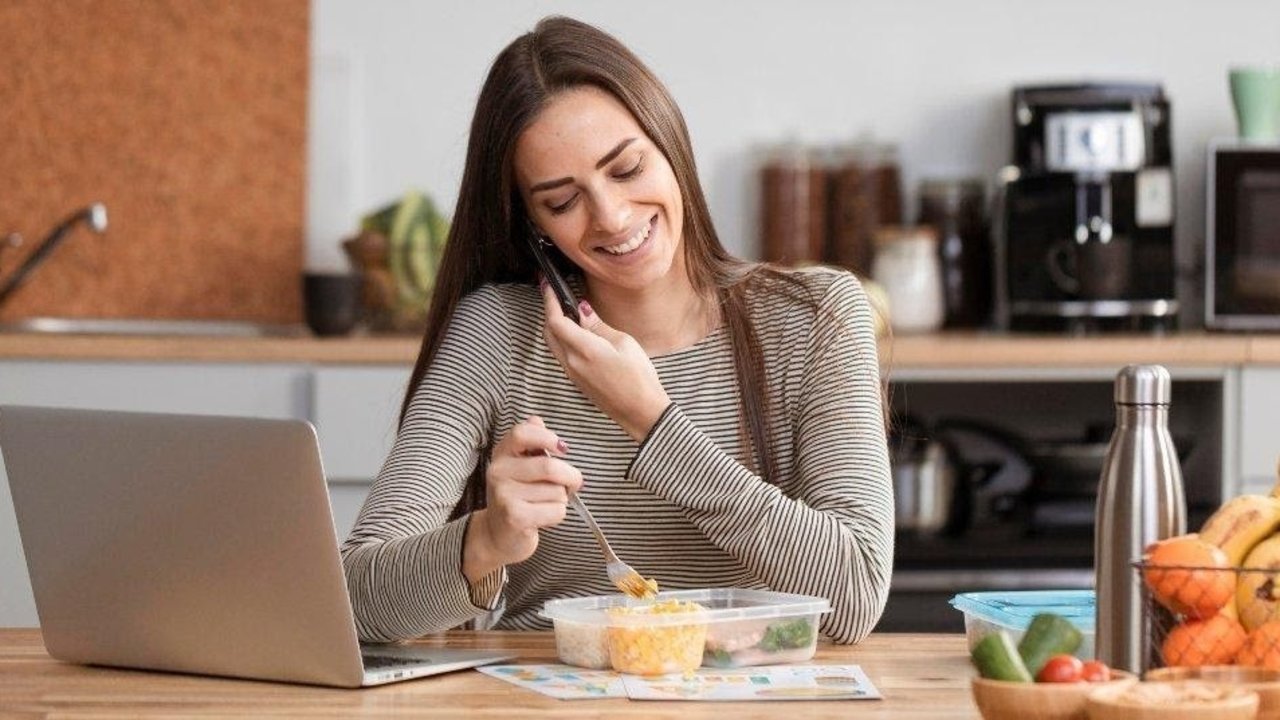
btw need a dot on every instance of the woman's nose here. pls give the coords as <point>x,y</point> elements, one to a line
<point>611,212</point>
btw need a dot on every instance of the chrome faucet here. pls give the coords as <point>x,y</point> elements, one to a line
<point>95,215</point>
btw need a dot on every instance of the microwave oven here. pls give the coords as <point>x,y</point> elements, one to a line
<point>1242,239</point>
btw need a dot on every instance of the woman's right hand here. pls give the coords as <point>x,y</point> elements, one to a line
<point>527,487</point>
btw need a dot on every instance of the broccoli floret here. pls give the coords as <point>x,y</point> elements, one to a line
<point>783,636</point>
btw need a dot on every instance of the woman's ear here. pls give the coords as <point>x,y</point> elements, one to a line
<point>538,235</point>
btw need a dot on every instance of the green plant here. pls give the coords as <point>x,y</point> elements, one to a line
<point>398,251</point>
<point>416,233</point>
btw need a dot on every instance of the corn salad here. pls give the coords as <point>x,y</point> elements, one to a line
<point>657,650</point>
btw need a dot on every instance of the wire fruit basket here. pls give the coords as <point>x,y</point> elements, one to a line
<point>1209,616</point>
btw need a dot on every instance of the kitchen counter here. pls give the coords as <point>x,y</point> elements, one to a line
<point>992,350</point>
<point>923,677</point>
<point>941,350</point>
<point>371,350</point>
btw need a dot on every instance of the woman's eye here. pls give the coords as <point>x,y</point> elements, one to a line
<point>634,171</point>
<point>563,207</point>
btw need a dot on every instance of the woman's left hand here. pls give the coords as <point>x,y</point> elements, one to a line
<point>607,365</point>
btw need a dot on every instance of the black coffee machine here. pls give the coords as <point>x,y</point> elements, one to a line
<point>1084,216</point>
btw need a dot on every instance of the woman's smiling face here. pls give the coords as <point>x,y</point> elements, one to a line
<point>599,187</point>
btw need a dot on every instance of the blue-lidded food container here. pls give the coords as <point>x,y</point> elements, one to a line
<point>1012,610</point>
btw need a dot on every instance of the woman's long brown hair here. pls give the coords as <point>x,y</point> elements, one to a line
<point>488,239</point>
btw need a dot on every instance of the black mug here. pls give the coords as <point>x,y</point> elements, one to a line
<point>1092,270</point>
<point>331,302</point>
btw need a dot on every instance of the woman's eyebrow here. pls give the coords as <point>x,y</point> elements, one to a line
<point>617,150</point>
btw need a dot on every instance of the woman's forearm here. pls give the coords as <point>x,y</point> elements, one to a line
<point>479,558</point>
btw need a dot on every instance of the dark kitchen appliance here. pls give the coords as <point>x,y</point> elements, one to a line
<point>933,485</point>
<point>1020,513</point>
<point>1242,241</point>
<point>1084,216</point>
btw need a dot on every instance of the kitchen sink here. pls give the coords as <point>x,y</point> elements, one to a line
<point>146,326</point>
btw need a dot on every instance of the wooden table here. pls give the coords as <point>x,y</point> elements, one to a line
<point>920,676</point>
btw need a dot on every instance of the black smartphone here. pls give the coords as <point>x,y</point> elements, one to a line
<point>568,304</point>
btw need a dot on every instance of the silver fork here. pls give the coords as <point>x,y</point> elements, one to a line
<point>621,574</point>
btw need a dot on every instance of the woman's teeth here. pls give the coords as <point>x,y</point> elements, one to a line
<point>623,248</point>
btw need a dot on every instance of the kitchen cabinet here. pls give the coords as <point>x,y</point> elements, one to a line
<point>259,390</point>
<point>355,410</point>
<point>1259,432</point>
<point>272,391</point>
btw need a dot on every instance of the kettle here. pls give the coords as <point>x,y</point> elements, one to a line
<point>933,485</point>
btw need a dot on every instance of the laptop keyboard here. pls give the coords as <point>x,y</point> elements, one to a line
<point>382,662</point>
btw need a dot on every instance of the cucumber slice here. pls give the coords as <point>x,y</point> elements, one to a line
<point>1046,636</point>
<point>997,658</point>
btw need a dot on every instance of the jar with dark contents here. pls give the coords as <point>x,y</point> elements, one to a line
<point>793,206</point>
<point>866,194</point>
<point>955,208</point>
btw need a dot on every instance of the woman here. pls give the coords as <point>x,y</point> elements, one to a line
<point>722,419</point>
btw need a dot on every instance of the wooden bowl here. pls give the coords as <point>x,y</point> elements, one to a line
<point>1173,700</point>
<point>1263,681</point>
<point>1003,700</point>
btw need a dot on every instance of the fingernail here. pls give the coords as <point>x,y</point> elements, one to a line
<point>584,307</point>
<point>561,447</point>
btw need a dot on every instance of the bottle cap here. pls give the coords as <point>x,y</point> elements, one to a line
<point>1143,385</point>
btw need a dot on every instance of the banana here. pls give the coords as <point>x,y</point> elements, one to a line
<point>1240,524</point>
<point>1237,527</point>
<point>1230,608</point>
<point>1258,589</point>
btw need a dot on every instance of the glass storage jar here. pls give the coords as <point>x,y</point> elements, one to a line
<point>866,194</point>
<point>954,208</point>
<point>906,265</point>
<point>793,206</point>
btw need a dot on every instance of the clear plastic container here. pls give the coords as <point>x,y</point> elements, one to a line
<point>1011,611</point>
<point>734,628</point>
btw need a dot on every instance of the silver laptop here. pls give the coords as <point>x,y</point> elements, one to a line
<point>193,544</point>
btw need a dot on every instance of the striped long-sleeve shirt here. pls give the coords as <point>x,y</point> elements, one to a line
<point>682,507</point>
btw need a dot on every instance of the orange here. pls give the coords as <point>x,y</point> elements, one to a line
<point>1215,641</point>
<point>1262,649</point>
<point>1189,576</point>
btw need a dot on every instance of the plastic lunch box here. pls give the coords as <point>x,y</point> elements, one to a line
<point>1011,611</point>
<point>735,628</point>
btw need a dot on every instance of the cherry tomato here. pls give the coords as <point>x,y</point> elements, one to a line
<point>1095,671</point>
<point>1061,669</point>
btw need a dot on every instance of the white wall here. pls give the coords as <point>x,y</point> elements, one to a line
<point>932,75</point>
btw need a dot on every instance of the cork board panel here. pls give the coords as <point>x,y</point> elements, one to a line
<point>187,119</point>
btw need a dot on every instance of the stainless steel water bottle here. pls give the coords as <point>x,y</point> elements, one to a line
<point>1140,500</point>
